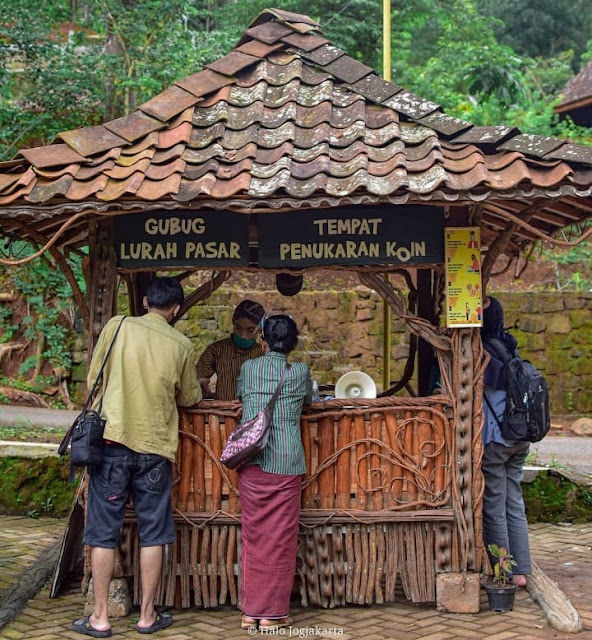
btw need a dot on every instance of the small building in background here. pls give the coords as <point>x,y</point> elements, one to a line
<point>577,98</point>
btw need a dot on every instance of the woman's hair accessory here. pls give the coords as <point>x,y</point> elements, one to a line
<point>280,329</point>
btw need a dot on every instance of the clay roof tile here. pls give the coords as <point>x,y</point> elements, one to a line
<point>305,41</point>
<point>45,190</point>
<point>169,103</point>
<point>134,126</point>
<point>83,189</point>
<point>572,153</point>
<point>114,189</point>
<point>91,141</point>
<point>268,32</point>
<point>232,63</point>
<point>204,82</point>
<point>158,189</point>
<point>53,155</point>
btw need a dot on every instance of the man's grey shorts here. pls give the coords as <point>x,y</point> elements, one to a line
<point>148,478</point>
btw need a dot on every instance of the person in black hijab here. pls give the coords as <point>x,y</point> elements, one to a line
<point>493,328</point>
<point>504,516</point>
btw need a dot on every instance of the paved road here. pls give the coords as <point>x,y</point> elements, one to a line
<point>32,416</point>
<point>574,452</point>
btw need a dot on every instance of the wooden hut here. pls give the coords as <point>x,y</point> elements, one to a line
<point>216,173</point>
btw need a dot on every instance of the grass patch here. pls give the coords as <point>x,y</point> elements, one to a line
<point>28,432</point>
<point>36,487</point>
<point>553,498</point>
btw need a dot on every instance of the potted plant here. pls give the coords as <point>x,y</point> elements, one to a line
<point>501,590</point>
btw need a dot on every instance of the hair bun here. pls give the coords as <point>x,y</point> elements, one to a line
<point>280,329</point>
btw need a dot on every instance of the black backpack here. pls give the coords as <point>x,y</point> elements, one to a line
<point>526,416</point>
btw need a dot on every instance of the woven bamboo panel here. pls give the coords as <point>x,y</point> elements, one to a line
<point>377,458</point>
<point>393,454</point>
<point>377,506</point>
<point>336,565</point>
<point>202,483</point>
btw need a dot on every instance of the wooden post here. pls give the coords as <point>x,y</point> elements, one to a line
<point>102,279</point>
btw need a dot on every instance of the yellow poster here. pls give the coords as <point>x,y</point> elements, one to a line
<point>464,295</point>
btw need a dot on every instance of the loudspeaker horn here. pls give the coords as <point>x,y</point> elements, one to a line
<point>355,384</point>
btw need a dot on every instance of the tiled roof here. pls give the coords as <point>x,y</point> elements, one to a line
<point>578,90</point>
<point>287,120</point>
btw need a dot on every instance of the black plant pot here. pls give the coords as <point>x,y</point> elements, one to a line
<point>501,597</point>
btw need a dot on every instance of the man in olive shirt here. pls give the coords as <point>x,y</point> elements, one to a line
<point>150,370</point>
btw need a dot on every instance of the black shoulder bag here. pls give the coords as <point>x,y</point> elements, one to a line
<point>85,436</point>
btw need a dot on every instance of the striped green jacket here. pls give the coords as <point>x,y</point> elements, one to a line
<point>257,381</point>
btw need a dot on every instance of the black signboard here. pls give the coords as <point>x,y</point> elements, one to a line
<point>386,234</point>
<point>182,238</point>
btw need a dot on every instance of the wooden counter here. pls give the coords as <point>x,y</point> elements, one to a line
<point>379,505</point>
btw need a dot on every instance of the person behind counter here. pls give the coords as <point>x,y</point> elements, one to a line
<point>225,357</point>
<point>150,370</point>
<point>504,516</point>
<point>270,483</point>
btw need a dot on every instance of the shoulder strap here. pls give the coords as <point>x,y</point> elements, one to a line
<point>276,393</point>
<point>100,374</point>
<point>493,413</point>
<point>499,348</point>
<point>66,439</point>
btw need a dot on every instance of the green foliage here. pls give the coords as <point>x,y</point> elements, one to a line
<point>49,308</point>
<point>572,267</point>
<point>540,28</point>
<point>42,91</point>
<point>553,498</point>
<point>502,568</point>
<point>7,329</point>
<point>35,487</point>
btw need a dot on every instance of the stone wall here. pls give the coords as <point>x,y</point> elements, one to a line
<point>554,331</point>
<point>342,331</point>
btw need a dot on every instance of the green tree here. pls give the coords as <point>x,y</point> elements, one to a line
<point>472,75</point>
<point>122,53</point>
<point>41,92</point>
<point>541,28</point>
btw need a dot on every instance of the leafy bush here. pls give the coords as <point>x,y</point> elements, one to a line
<point>48,313</point>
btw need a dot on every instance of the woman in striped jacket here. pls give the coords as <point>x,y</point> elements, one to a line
<point>270,482</point>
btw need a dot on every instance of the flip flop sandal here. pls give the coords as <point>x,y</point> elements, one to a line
<point>84,626</point>
<point>271,624</point>
<point>248,623</point>
<point>163,620</point>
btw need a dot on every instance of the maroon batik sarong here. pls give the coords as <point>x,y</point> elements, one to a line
<point>270,508</point>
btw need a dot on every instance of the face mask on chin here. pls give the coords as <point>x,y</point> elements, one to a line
<point>242,343</point>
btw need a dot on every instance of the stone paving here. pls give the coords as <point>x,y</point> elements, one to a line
<point>563,551</point>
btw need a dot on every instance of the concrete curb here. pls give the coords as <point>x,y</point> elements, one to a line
<point>33,450</point>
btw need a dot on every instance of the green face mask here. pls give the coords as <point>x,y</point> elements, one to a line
<point>242,343</point>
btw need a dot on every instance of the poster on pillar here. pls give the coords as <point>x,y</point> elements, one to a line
<point>464,293</point>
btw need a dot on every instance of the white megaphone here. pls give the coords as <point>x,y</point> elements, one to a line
<point>355,384</point>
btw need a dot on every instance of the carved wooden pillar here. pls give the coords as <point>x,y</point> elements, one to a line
<point>102,284</point>
<point>466,373</point>
<point>425,309</point>
<point>137,284</point>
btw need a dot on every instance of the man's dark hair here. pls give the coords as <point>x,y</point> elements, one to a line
<point>164,293</point>
<point>280,333</point>
<point>250,310</point>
